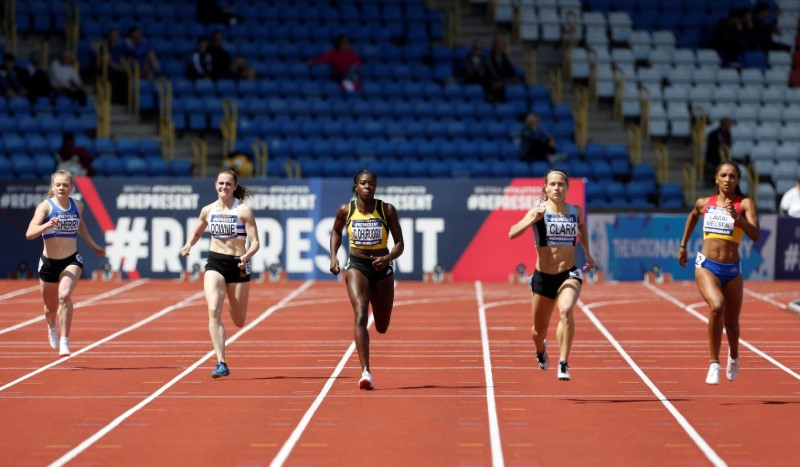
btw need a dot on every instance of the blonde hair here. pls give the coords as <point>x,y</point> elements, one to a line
<point>59,173</point>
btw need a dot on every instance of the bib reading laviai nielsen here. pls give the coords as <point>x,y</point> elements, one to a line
<point>718,220</point>
<point>366,232</point>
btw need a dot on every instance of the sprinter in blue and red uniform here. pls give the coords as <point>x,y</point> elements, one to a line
<point>727,217</point>
<point>556,280</point>
<point>369,267</point>
<point>58,220</point>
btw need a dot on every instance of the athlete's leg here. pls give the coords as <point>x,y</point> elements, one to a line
<point>359,293</point>
<point>66,285</point>
<point>708,285</point>
<point>50,297</point>
<point>238,295</point>
<point>733,292</point>
<point>215,288</point>
<point>542,310</point>
<point>382,298</point>
<point>565,302</point>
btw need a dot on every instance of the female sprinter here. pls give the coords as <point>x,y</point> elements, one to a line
<point>727,216</point>
<point>556,279</point>
<point>369,266</point>
<point>232,227</point>
<point>58,219</point>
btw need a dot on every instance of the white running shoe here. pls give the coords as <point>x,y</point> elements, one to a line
<point>713,374</point>
<point>63,347</point>
<point>563,371</point>
<point>543,360</point>
<point>366,381</point>
<point>52,334</point>
<point>732,370</point>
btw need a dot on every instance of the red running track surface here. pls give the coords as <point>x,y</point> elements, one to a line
<point>456,380</point>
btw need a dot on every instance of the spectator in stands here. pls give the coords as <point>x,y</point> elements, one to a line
<point>501,72</point>
<point>200,65</point>
<point>139,49</point>
<point>790,201</point>
<point>65,78</point>
<point>73,158</point>
<point>223,65</point>
<point>117,66</point>
<point>716,141</point>
<point>344,61</point>
<point>10,77</point>
<point>764,29</point>
<point>535,143</point>
<point>37,81</point>
<point>211,11</point>
<point>474,66</point>
<point>728,38</point>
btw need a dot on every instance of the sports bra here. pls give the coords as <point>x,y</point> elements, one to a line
<point>226,225</point>
<point>557,229</point>
<point>718,222</point>
<point>69,220</point>
<point>368,231</point>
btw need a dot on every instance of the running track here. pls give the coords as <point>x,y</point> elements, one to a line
<point>455,375</point>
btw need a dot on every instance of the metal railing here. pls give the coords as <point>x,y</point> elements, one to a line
<point>531,66</point>
<point>753,178</point>
<point>698,135</point>
<point>293,168</point>
<point>591,56</point>
<point>662,162</point>
<point>10,26</point>
<point>644,112</point>
<point>556,85</point>
<point>102,105</point>
<point>72,26</point>
<point>634,143</point>
<point>581,115</point>
<point>227,126</point>
<point>166,127</point>
<point>200,151</point>
<point>569,40</point>
<point>689,183</point>
<point>134,89</point>
<point>453,23</point>
<point>261,156</point>
<point>619,94</point>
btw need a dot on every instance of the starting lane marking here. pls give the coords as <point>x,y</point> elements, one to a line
<point>691,310</point>
<point>766,298</point>
<point>494,425</point>
<point>102,341</point>
<point>77,450</point>
<point>19,292</point>
<point>86,302</point>
<point>698,440</point>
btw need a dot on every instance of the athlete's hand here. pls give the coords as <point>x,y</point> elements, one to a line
<point>682,258</point>
<point>590,263</point>
<point>53,222</point>
<point>381,262</point>
<point>185,250</point>
<point>98,250</point>
<point>335,267</point>
<point>732,210</point>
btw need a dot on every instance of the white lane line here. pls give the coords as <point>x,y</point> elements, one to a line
<point>766,298</point>
<point>77,450</point>
<point>691,310</point>
<point>291,442</point>
<point>19,292</point>
<point>494,426</point>
<point>86,302</point>
<point>710,454</point>
<point>102,341</point>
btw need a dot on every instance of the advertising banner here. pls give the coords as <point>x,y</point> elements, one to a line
<point>460,226</point>
<point>787,250</point>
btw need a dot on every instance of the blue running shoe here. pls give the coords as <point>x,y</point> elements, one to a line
<point>220,370</point>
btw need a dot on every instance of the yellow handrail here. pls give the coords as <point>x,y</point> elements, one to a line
<point>228,126</point>
<point>591,56</point>
<point>531,66</point>
<point>689,183</point>
<point>662,162</point>
<point>581,115</point>
<point>635,143</point>
<point>166,127</point>
<point>754,181</point>
<point>103,108</point>
<point>619,93</point>
<point>261,155</point>
<point>72,29</point>
<point>453,24</point>
<point>644,112</point>
<point>293,169</point>
<point>568,43</point>
<point>134,75</point>
<point>200,150</point>
<point>698,133</point>
<point>10,25</point>
<point>556,85</point>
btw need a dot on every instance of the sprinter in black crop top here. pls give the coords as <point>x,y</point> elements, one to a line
<point>557,227</point>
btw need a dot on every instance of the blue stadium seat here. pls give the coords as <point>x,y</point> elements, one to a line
<point>181,168</point>
<point>6,168</point>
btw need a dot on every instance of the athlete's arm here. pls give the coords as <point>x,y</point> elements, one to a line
<point>250,228</point>
<point>691,223</point>
<point>37,227</point>
<point>590,263</point>
<point>749,221</point>
<point>199,228</point>
<point>336,236</point>
<point>382,262</point>
<point>530,218</point>
<point>83,231</point>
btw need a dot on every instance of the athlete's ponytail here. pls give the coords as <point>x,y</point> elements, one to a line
<point>241,192</point>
